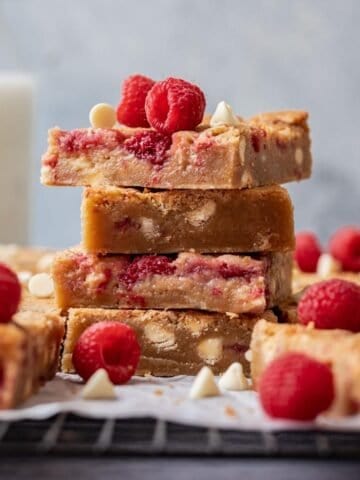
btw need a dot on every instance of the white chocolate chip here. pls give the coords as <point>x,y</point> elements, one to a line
<point>327,265</point>
<point>102,115</point>
<point>224,115</point>
<point>99,386</point>
<point>202,214</point>
<point>148,228</point>
<point>94,279</point>
<point>44,263</point>
<point>163,338</point>
<point>41,285</point>
<point>24,277</point>
<point>204,385</point>
<point>8,252</point>
<point>299,157</point>
<point>248,356</point>
<point>234,378</point>
<point>210,350</point>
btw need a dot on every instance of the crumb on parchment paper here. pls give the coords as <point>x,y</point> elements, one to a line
<point>158,392</point>
<point>230,411</point>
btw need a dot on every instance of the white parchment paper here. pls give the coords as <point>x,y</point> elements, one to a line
<point>165,399</point>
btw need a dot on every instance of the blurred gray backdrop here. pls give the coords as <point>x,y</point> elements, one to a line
<point>257,55</point>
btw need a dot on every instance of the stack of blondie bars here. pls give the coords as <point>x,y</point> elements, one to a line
<point>189,242</point>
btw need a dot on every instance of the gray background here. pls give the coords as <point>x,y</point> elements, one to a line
<point>257,55</point>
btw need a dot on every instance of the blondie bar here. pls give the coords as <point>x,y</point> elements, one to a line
<point>338,348</point>
<point>117,220</point>
<point>173,342</point>
<point>270,148</point>
<point>224,283</point>
<point>29,354</point>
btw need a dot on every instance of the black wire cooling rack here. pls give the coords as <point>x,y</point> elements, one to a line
<point>68,434</point>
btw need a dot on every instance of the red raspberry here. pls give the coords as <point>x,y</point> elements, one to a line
<point>131,110</point>
<point>297,387</point>
<point>10,293</point>
<point>331,304</point>
<point>149,145</point>
<point>174,104</point>
<point>145,265</point>
<point>109,345</point>
<point>307,251</point>
<point>345,247</point>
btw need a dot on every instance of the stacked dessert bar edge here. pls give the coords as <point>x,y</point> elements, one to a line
<point>191,247</point>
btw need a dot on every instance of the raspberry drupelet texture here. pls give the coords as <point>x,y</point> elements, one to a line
<point>331,304</point>
<point>149,145</point>
<point>146,265</point>
<point>174,104</point>
<point>10,293</point>
<point>307,251</point>
<point>109,345</point>
<point>296,387</point>
<point>345,247</point>
<point>131,110</point>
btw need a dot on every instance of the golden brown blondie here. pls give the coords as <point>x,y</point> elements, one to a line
<point>223,283</point>
<point>338,348</point>
<point>270,148</point>
<point>120,220</point>
<point>173,342</point>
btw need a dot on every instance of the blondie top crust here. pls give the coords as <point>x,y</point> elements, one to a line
<point>173,342</point>
<point>338,348</point>
<point>270,148</point>
<point>124,220</point>
<point>224,283</point>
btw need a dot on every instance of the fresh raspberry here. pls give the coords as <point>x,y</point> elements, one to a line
<point>131,110</point>
<point>297,387</point>
<point>145,265</point>
<point>149,145</point>
<point>307,251</point>
<point>331,304</point>
<point>10,293</point>
<point>174,104</point>
<point>109,345</point>
<point>345,247</point>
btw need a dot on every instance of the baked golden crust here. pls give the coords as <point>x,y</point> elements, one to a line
<point>270,148</point>
<point>173,342</point>
<point>338,348</point>
<point>125,220</point>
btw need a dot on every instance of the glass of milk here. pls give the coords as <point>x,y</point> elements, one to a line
<point>16,120</point>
